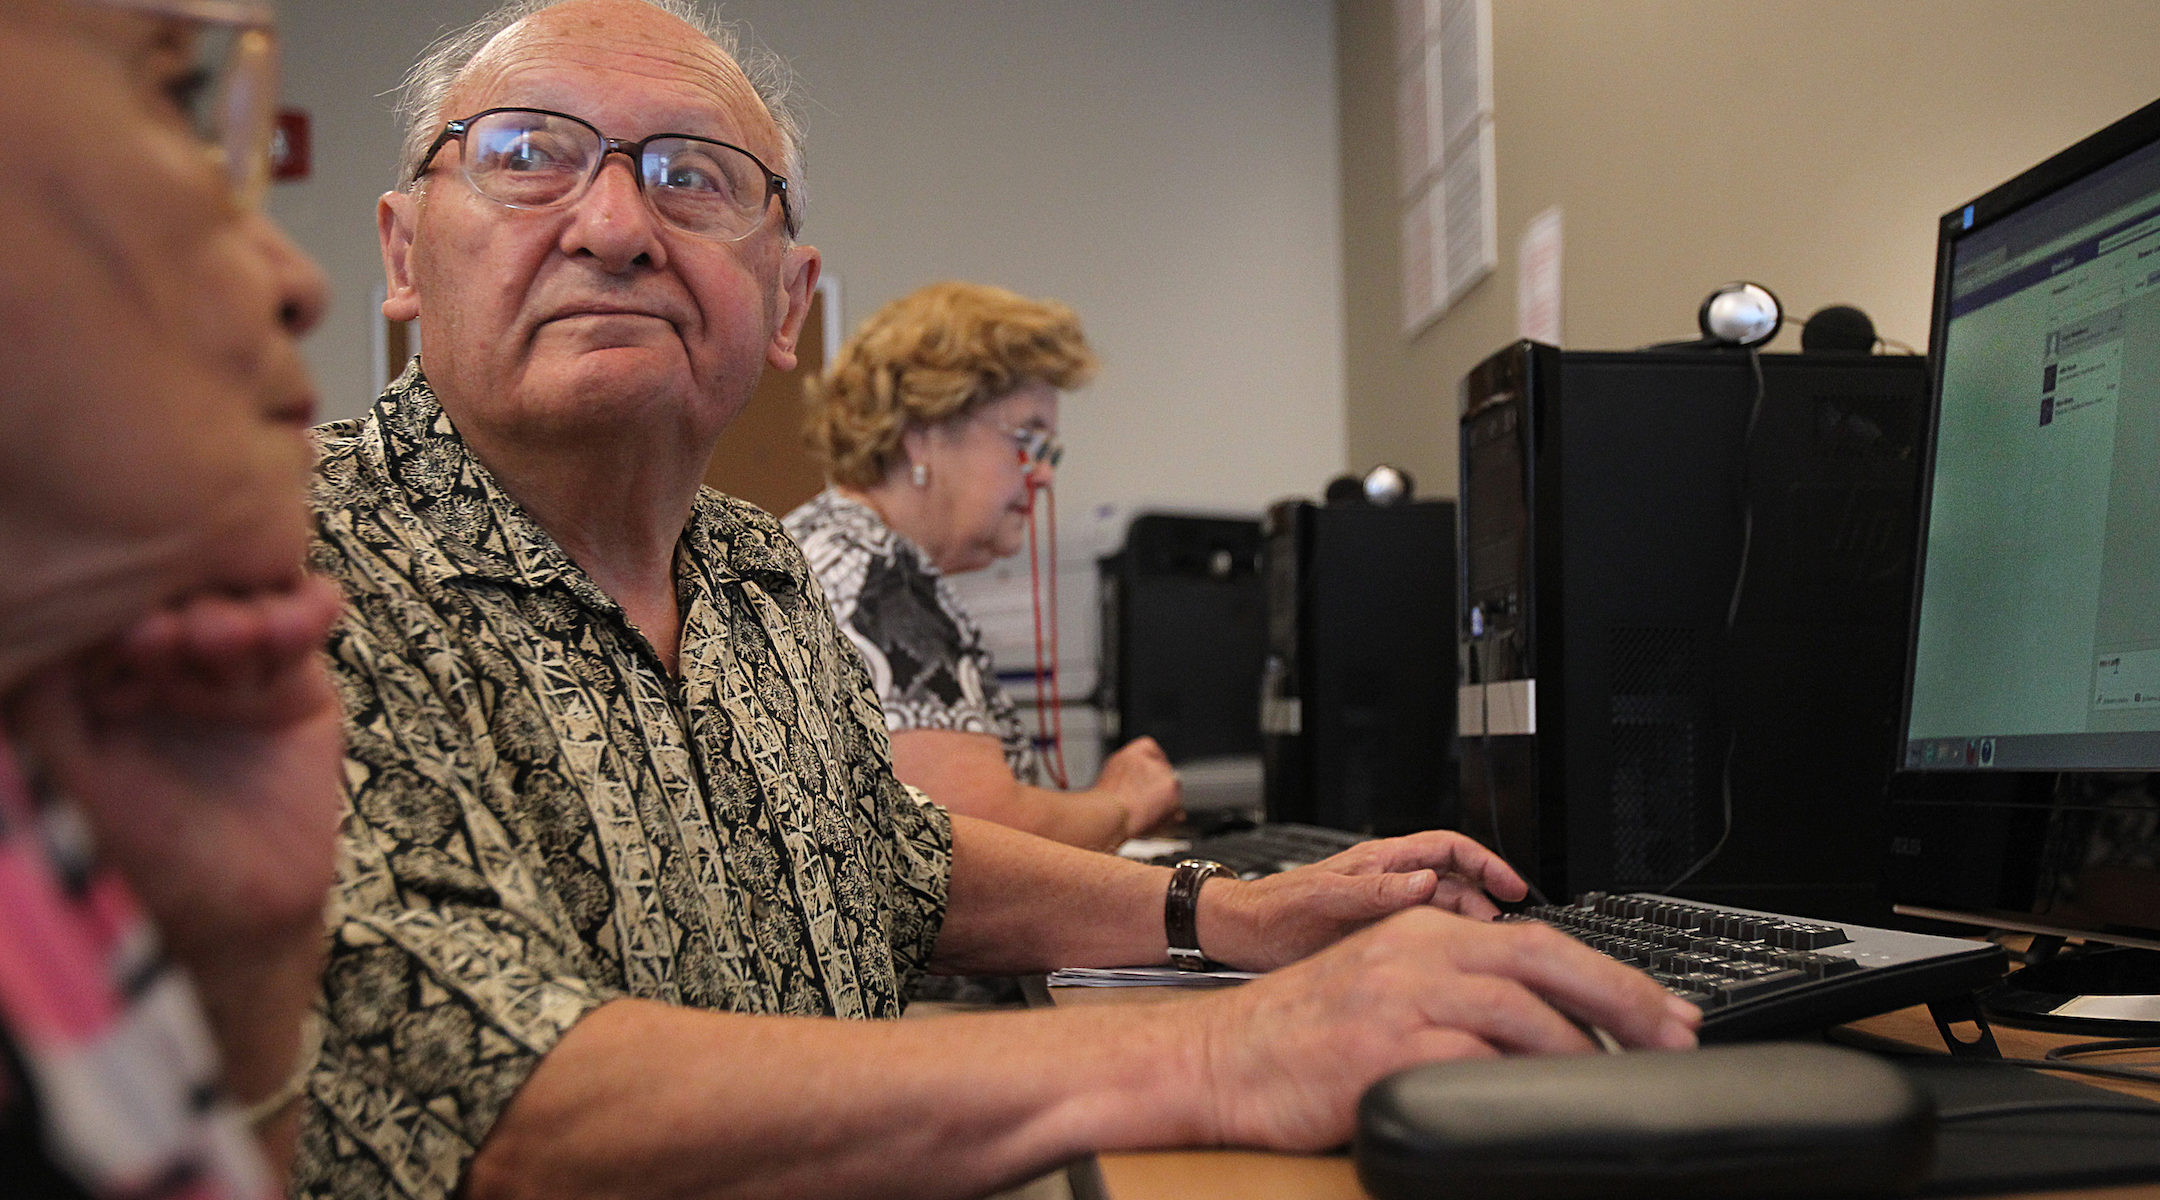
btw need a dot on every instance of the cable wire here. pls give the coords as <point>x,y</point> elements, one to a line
<point>2098,1070</point>
<point>1732,750</point>
<point>2109,1046</point>
<point>2021,1108</point>
<point>1743,488</point>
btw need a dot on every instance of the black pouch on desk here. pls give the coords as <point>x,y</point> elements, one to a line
<point>1756,1120</point>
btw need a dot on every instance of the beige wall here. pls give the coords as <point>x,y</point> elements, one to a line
<point>1809,145</point>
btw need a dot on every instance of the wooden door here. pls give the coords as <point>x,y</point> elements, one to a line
<point>761,457</point>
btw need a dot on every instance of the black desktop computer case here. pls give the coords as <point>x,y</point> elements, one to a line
<point>1358,693</point>
<point>1703,591</point>
<point>1180,604</point>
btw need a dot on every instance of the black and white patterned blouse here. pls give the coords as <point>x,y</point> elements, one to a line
<point>543,820</point>
<point>925,653</point>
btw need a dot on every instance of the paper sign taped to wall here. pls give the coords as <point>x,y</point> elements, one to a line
<point>1537,279</point>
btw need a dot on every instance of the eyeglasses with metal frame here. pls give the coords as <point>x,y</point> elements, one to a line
<point>1038,448</point>
<point>231,92</point>
<point>535,158</point>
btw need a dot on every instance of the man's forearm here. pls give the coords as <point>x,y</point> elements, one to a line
<point>644,1098</point>
<point>1021,903</point>
<point>647,1098</point>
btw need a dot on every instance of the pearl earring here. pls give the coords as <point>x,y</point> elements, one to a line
<point>919,475</point>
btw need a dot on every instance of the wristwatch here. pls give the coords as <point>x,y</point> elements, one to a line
<point>1181,909</point>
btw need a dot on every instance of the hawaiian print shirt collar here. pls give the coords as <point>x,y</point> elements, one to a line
<point>484,533</point>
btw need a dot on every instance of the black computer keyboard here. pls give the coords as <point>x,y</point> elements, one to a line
<point>1267,848</point>
<point>1757,974</point>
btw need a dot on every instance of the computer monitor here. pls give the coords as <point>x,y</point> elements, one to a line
<point>2027,794</point>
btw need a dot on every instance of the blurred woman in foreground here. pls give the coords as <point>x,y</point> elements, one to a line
<point>938,425</point>
<point>169,748</point>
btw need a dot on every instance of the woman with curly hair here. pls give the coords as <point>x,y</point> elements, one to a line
<point>937,424</point>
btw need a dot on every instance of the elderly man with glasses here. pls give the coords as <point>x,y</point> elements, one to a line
<point>625,836</point>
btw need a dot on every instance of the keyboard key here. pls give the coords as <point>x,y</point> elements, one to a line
<point>1814,937</point>
<point>1733,991</point>
<point>1818,966</point>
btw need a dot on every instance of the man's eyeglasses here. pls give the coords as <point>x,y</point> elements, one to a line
<point>1038,448</point>
<point>533,158</point>
<point>231,91</point>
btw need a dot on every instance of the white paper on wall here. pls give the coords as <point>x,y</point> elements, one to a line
<point>1444,160</point>
<point>1537,279</point>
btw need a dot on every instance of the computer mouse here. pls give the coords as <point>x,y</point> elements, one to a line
<point>1775,1119</point>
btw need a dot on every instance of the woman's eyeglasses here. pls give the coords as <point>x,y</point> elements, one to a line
<point>1038,448</point>
<point>231,91</point>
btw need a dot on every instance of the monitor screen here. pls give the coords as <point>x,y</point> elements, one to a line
<point>2028,789</point>
<point>2037,636</point>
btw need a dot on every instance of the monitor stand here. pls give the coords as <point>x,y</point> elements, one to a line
<point>2103,990</point>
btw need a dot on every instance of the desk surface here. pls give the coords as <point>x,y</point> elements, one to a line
<point>1239,1174</point>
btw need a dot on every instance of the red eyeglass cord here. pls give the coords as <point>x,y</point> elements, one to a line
<point>1042,580</point>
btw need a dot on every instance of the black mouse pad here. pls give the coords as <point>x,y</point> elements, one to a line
<point>2031,1150</point>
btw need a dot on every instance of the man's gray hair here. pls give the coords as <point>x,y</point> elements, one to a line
<point>427,86</point>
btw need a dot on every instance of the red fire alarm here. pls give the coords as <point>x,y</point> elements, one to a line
<point>290,150</point>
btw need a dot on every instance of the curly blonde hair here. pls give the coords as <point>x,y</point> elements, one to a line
<point>935,355</point>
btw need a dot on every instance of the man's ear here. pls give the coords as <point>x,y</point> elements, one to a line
<point>799,267</point>
<point>395,216</point>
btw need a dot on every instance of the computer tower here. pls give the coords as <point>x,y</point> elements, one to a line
<point>1359,689</point>
<point>1180,610</point>
<point>1685,586</point>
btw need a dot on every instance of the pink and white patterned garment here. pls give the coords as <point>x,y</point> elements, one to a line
<point>107,1084</point>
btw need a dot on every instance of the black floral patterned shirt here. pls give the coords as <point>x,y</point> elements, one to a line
<point>925,654</point>
<point>543,820</point>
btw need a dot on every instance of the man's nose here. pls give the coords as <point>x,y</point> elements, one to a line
<point>612,221</point>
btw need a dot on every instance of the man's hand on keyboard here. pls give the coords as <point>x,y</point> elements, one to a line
<point>1290,1054</point>
<point>1279,919</point>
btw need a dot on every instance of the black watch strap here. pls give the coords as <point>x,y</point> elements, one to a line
<point>1181,912</point>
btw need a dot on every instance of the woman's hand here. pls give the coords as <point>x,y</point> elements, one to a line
<point>1139,776</point>
<point>204,749</point>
